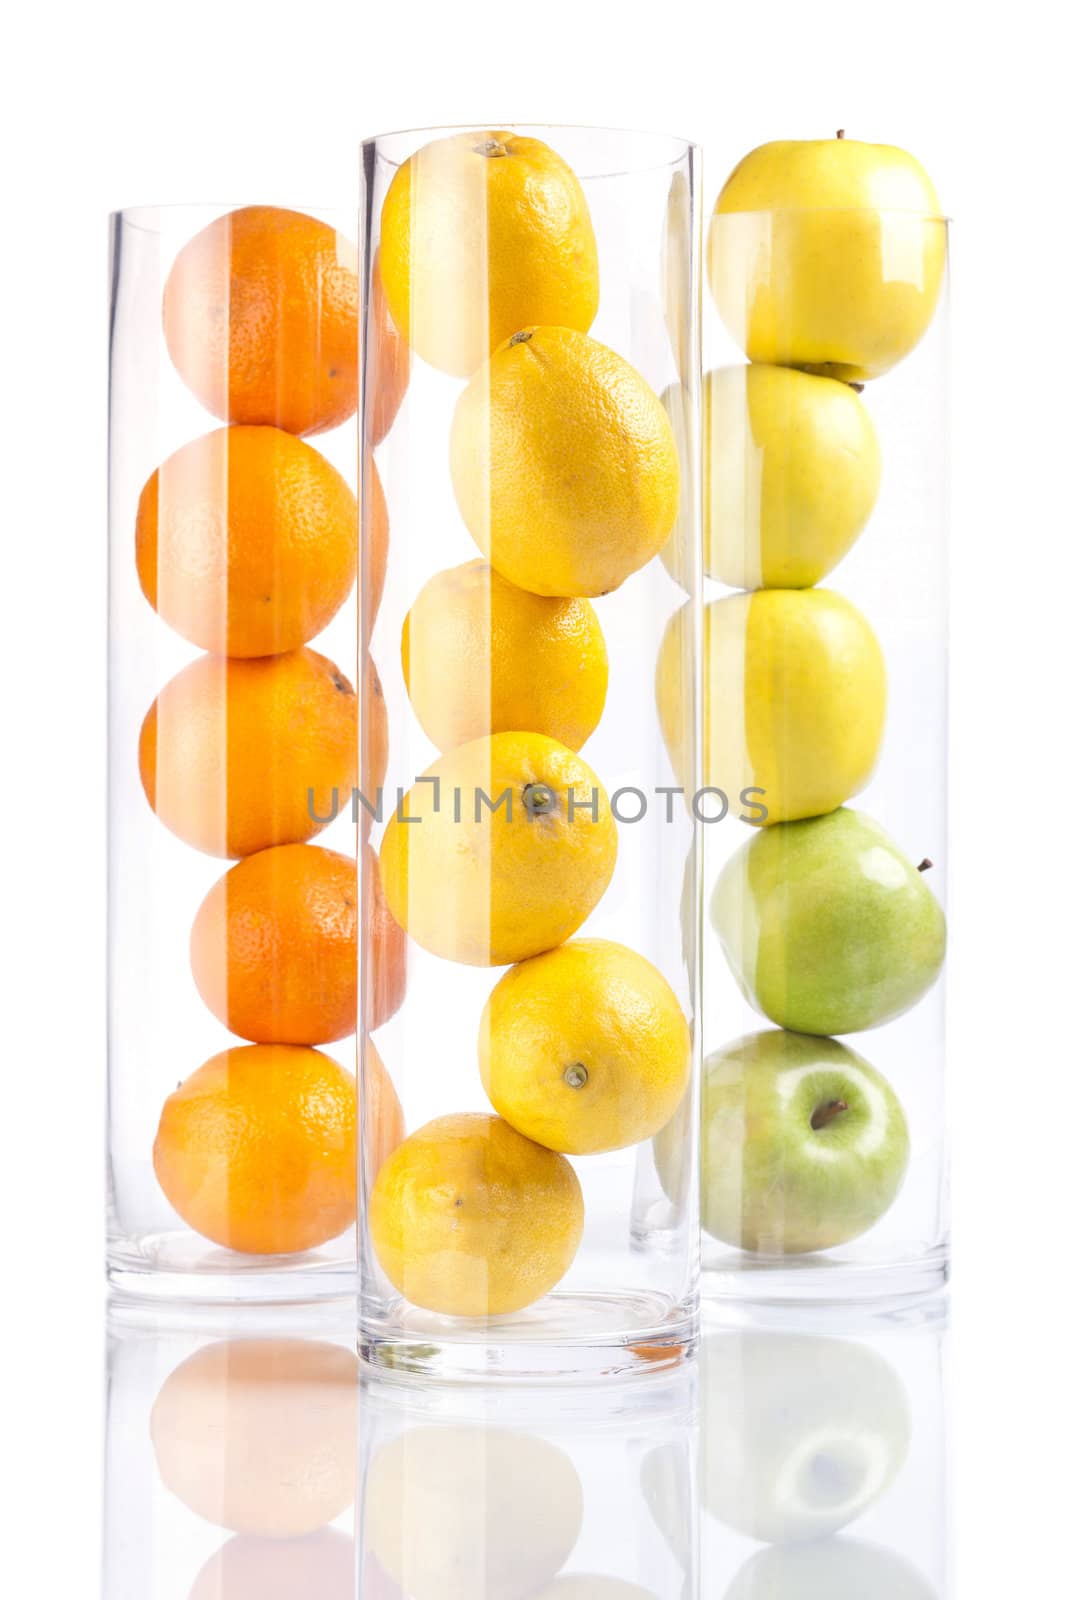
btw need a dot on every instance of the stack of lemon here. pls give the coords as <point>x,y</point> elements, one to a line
<point>566,473</point>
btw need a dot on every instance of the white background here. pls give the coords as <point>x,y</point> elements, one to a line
<point>131,101</point>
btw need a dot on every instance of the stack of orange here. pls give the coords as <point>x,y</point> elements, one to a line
<point>247,544</point>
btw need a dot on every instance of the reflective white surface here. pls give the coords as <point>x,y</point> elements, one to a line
<point>249,1459</point>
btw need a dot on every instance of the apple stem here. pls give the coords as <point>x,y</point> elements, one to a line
<point>924,865</point>
<point>824,1115</point>
<point>840,133</point>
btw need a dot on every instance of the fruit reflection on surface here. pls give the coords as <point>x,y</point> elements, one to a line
<point>838,1569</point>
<point>795,699</point>
<point>261,317</point>
<point>463,1513</point>
<point>320,1566</point>
<point>515,846</point>
<point>804,1145</point>
<point>792,467</point>
<point>592,1586</point>
<point>799,1435</point>
<point>585,1048</point>
<point>483,233</point>
<point>471,1219</point>
<point>481,656</point>
<point>247,541</point>
<point>827,925</point>
<point>229,750</point>
<point>259,1435</point>
<point>256,1150</point>
<point>274,947</point>
<point>564,464</point>
<point>827,254</point>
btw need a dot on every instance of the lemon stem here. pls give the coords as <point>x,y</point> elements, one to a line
<point>521,337</point>
<point>576,1076</point>
<point>824,1115</point>
<point>538,799</point>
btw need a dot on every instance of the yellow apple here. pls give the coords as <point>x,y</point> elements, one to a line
<point>794,701</point>
<point>791,474</point>
<point>827,254</point>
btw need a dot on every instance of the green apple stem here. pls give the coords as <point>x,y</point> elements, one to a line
<point>924,865</point>
<point>822,1116</point>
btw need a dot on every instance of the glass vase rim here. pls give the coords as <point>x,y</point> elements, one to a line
<point>676,147</point>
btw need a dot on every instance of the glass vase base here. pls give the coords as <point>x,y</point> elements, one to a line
<point>821,1281</point>
<point>177,1266</point>
<point>564,1337</point>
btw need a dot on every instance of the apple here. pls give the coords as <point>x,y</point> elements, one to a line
<point>837,1569</point>
<point>792,468</point>
<point>794,700</point>
<point>827,925</point>
<point>470,1513</point>
<point>803,1144</point>
<point>827,254</point>
<point>800,1434</point>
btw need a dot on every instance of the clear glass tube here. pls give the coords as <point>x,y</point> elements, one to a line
<point>531,836</point>
<point>824,1153</point>
<point>233,562</point>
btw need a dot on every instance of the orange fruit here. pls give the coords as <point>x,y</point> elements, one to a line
<point>388,361</point>
<point>274,947</point>
<point>239,755</point>
<point>482,234</point>
<point>256,1150</point>
<point>247,541</point>
<point>261,318</point>
<point>258,1435</point>
<point>481,656</point>
<point>322,1564</point>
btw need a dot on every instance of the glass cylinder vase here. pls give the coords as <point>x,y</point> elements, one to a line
<point>534,841</point>
<point>823,1120</point>
<point>233,748</point>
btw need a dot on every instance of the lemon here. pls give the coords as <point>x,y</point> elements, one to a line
<point>471,1219</point>
<point>794,701</point>
<point>564,464</point>
<point>481,234</point>
<point>481,656</point>
<point>585,1049</point>
<point>489,886</point>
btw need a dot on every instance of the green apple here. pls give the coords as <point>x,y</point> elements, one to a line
<point>837,1569</point>
<point>827,254</point>
<point>827,926</point>
<point>794,699</point>
<point>803,1144</point>
<point>800,1434</point>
